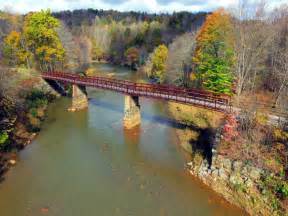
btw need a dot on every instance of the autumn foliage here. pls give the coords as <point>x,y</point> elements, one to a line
<point>38,41</point>
<point>159,62</point>
<point>214,56</point>
<point>132,57</point>
<point>230,128</point>
<point>14,49</point>
<point>42,39</point>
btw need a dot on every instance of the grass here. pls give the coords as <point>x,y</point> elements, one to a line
<point>195,116</point>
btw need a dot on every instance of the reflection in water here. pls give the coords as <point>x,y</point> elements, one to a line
<point>84,163</point>
<point>132,136</point>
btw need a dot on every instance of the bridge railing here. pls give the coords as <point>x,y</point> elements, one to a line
<point>182,95</point>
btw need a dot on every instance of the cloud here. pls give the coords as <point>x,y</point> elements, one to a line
<point>184,2</point>
<point>24,6</point>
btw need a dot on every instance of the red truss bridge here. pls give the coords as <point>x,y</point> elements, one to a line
<point>194,97</point>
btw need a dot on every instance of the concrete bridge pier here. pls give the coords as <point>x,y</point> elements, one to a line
<point>132,115</point>
<point>79,98</point>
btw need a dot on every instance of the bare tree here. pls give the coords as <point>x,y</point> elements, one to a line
<point>179,55</point>
<point>71,47</point>
<point>253,34</point>
<point>278,58</point>
<point>101,36</point>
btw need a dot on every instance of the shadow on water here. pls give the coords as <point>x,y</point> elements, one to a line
<point>153,118</point>
<point>203,145</point>
<point>3,169</point>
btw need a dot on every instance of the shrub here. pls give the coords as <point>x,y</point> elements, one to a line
<point>3,138</point>
<point>274,188</point>
<point>247,120</point>
<point>280,135</point>
<point>261,118</point>
<point>36,99</point>
<point>269,187</point>
<point>230,128</point>
<point>33,112</point>
<point>282,190</point>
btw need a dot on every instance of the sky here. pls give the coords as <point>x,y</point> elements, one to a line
<point>151,6</point>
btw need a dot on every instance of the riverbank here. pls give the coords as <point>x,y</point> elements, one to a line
<point>23,109</point>
<point>239,182</point>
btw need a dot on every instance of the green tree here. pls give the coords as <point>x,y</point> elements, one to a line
<point>214,56</point>
<point>158,60</point>
<point>42,39</point>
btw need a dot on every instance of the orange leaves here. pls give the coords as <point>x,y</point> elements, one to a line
<point>215,28</point>
<point>214,55</point>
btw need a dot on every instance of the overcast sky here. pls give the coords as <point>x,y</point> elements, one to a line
<point>24,6</point>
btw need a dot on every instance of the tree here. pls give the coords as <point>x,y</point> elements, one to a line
<point>97,52</point>
<point>158,60</point>
<point>85,46</point>
<point>72,48</point>
<point>132,57</point>
<point>253,35</point>
<point>14,49</point>
<point>42,39</point>
<point>214,56</point>
<point>179,55</point>
<point>101,38</point>
<point>277,78</point>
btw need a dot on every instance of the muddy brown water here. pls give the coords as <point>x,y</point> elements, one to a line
<point>84,164</point>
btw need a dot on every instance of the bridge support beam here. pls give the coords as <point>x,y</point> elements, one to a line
<point>132,116</point>
<point>79,98</point>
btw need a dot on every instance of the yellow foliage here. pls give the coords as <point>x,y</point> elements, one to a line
<point>97,51</point>
<point>193,76</point>
<point>159,62</point>
<point>14,49</point>
<point>89,72</point>
<point>13,38</point>
<point>261,118</point>
<point>280,134</point>
<point>41,36</point>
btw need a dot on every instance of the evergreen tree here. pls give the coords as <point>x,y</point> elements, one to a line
<point>214,56</point>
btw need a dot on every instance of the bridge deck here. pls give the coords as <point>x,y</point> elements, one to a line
<point>193,97</point>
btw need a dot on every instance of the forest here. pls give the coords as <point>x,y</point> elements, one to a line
<point>241,53</point>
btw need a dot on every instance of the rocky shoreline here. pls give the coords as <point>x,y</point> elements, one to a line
<point>235,181</point>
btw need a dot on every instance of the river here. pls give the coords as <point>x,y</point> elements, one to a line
<point>84,164</point>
